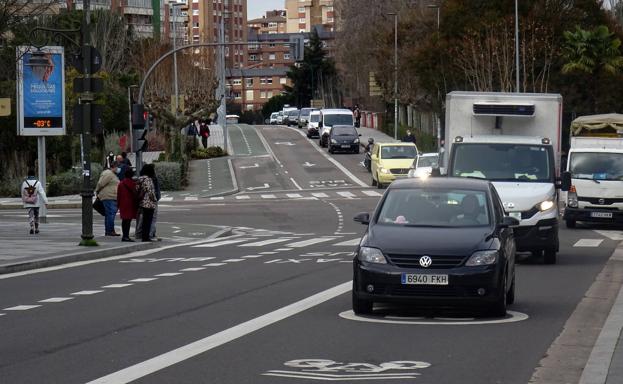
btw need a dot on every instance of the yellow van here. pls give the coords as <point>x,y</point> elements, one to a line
<point>391,161</point>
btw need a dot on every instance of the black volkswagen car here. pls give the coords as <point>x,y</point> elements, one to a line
<point>438,242</point>
<point>344,138</point>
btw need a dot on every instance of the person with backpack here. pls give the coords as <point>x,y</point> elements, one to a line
<point>127,201</point>
<point>33,197</point>
<point>204,132</point>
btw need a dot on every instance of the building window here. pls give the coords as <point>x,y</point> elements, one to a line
<point>195,12</point>
<point>252,57</point>
<point>249,107</point>
<point>329,19</point>
<point>272,45</point>
<point>236,95</point>
<point>248,82</point>
<point>269,80</point>
<point>262,95</point>
<point>271,56</point>
<point>236,82</point>
<point>272,25</point>
<point>286,56</point>
<point>301,9</point>
<point>269,94</point>
<point>249,95</point>
<point>302,20</point>
<point>282,80</point>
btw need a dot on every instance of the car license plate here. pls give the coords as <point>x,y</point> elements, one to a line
<point>345,146</point>
<point>422,279</point>
<point>516,215</point>
<point>602,215</point>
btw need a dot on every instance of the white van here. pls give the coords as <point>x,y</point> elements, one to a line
<point>312,124</point>
<point>331,117</point>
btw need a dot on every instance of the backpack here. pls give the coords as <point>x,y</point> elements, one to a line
<point>29,195</point>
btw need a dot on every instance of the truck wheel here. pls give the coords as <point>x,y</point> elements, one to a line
<point>570,223</point>
<point>549,256</point>
<point>361,307</point>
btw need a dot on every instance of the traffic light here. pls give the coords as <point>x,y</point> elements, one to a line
<point>139,128</point>
<point>297,47</point>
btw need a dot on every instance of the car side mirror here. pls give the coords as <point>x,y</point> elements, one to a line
<point>566,181</point>
<point>508,221</point>
<point>363,218</point>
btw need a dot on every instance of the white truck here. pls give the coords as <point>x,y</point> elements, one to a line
<point>513,140</point>
<point>594,174</point>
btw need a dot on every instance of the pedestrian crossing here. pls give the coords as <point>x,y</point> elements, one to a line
<point>242,196</point>
<point>288,242</point>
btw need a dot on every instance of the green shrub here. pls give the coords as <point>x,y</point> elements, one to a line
<point>10,187</point>
<point>70,182</point>
<point>170,175</point>
<point>206,153</point>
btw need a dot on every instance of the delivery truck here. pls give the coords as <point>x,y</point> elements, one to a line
<point>593,178</point>
<point>513,140</point>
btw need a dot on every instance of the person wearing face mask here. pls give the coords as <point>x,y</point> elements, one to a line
<point>121,167</point>
<point>106,190</point>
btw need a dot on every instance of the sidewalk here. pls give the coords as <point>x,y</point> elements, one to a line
<point>378,136</point>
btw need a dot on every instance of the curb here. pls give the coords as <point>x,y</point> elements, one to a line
<point>50,206</point>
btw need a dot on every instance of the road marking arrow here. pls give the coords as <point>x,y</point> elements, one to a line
<point>308,164</point>
<point>256,165</point>
<point>284,143</point>
<point>265,186</point>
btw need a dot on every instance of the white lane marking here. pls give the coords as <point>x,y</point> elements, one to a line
<point>168,274</point>
<point>295,184</point>
<point>371,193</point>
<point>612,235</point>
<point>340,377</point>
<point>232,260</point>
<point>266,242</point>
<point>270,196</point>
<point>188,351</point>
<point>21,308</point>
<point>243,197</point>
<point>294,195</point>
<point>346,194</point>
<point>55,300</point>
<point>217,198</point>
<point>251,256</point>
<point>349,242</point>
<point>168,198</point>
<point>588,243</point>
<point>143,280</point>
<point>2,314</point>
<point>267,253</point>
<point>320,194</point>
<point>86,293</point>
<point>191,198</point>
<point>305,243</point>
<point>213,264</point>
<point>194,269</point>
<point>219,243</point>
<point>117,285</point>
<point>283,249</point>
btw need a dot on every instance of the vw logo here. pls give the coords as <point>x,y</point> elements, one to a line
<point>601,201</point>
<point>510,205</point>
<point>425,261</point>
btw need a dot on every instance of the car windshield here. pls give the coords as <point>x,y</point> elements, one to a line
<point>427,207</point>
<point>314,118</point>
<point>596,166</point>
<point>398,152</point>
<point>344,119</point>
<point>293,113</point>
<point>305,112</point>
<point>428,161</point>
<point>344,131</point>
<point>503,162</point>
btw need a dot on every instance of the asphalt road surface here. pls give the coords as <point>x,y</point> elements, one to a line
<point>270,302</point>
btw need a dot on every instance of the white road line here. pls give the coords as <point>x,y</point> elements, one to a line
<point>86,293</point>
<point>295,184</point>
<point>232,260</point>
<point>270,196</point>
<point>349,243</point>
<point>588,243</point>
<point>213,264</point>
<point>266,242</point>
<point>371,193</point>
<point>191,350</point>
<point>294,195</point>
<point>194,269</point>
<point>346,194</point>
<point>2,314</point>
<point>117,285</point>
<point>243,197</point>
<point>219,243</point>
<point>21,308</point>
<point>143,280</point>
<point>320,194</point>
<point>55,300</point>
<point>217,198</point>
<point>168,274</point>
<point>191,198</point>
<point>267,253</point>
<point>612,235</point>
<point>168,198</point>
<point>305,243</point>
<point>251,256</point>
<point>283,249</point>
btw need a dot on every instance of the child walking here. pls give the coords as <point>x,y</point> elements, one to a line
<point>33,197</point>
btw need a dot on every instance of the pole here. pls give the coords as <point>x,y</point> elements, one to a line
<point>43,211</point>
<point>130,119</point>
<point>86,98</point>
<point>516,46</point>
<point>177,107</point>
<point>396,76</point>
<point>222,117</point>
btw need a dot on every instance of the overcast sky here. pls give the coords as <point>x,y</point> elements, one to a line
<point>258,8</point>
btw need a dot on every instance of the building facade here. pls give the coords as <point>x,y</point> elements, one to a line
<point>251,88</point>
<point>274,22</point>
<point>302,15</point>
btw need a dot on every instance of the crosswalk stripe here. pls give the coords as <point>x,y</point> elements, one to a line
<point>169,274</point>
<point>346,194</point>
<point>267,242</point>
<point>55,299</point>
<point>588,243</point>
<point>21,308</point>
<point>270,196</point>
<point>213,264</point>
<point>219,243</point>
<point>85,293</point>
<point>294,195</point>
<point>320,194</point>
<point>243,197</point>
<point>168,198</point>
<point>116,285</point>
<point>371,193</point>
<point>217,198</point>
<point>612,235</point>
<point>305,243</point>
<point>349,242</point>
<point>194,269</point>
<point>143,280</point>
<point>191,198</point>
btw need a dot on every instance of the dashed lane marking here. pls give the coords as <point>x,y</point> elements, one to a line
<point>194,269</point>
<point>219,243</point>
<point>251,256</point>
<point>87,293</point>
<point>372,193</point>
<point>213,264</point>
<point>169,274</point>
<point>319,194</point>
<point>21,308</point>
<point>346,194</point>
<point>269,196</point>
<point>243,197</point>
<point>55,300</point>
<point>191,198</point>
<point>117,285</point>
<point>588,243</point>
<point>143,280</point>
<point>232,260</point>
<point>294,195</point>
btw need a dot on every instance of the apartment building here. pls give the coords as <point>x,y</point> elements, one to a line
<point>302,15</point>
<point>274,22</point>
<point>251,88</point>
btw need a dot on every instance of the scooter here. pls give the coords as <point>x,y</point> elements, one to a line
<point>367,158</point>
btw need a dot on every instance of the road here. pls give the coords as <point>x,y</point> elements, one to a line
<point>270,302</point>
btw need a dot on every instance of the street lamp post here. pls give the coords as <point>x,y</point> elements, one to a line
<point>516,46</point>
<point>395,73</point>
<point>175,15</point>
<point>130,116</point>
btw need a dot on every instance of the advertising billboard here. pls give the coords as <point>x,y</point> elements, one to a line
<point>40,91</point>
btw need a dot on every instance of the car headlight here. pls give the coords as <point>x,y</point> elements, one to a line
<point>356,141</point>
<point>333,141</point>
<point>572,198</point>
<point>482,258</point>
<point>545,205</point>
<point>371,255</point>
<point>384,170</point>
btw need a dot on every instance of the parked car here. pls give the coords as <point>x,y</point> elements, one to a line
<point>280,117</point>
<point>232,119</point>
<point>273,118</point>
<point>424,164</point>
<point>304,117</point>
<point>390,161</point>
<point>344,138</point>
<point>312,124</point>
<point>331,117</point>
<point>291,117</point>
<point>440,241</point>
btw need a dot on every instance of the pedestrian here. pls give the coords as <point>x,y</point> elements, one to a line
<point>357,113</point>
<point>106,190</point>
<point>409,137</point>
<point>204,132</point>
<point>127,201</point>
<point>121,167</point>
<point>33,197</point>
<point>147,201</point>
<point>110,159</point>
<point>126,161</point>
<point>152,230</point>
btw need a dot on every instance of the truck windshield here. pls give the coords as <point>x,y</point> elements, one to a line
<point>314,118</point>
<point>596,166</point>
<point>331,120</point>
<point>503,162</point>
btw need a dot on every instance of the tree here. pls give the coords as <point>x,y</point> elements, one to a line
<point>275,104</point>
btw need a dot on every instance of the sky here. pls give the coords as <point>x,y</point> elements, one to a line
<point>258,8</point>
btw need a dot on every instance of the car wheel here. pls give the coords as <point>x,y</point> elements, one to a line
<point>361,307</point>
<point>379,185</point>
<point>510,295</point>
<point>570,223</point>
<point>356,151</point>
<point>331,150</point>
<point>549,256</point>
<point>498,309</point>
